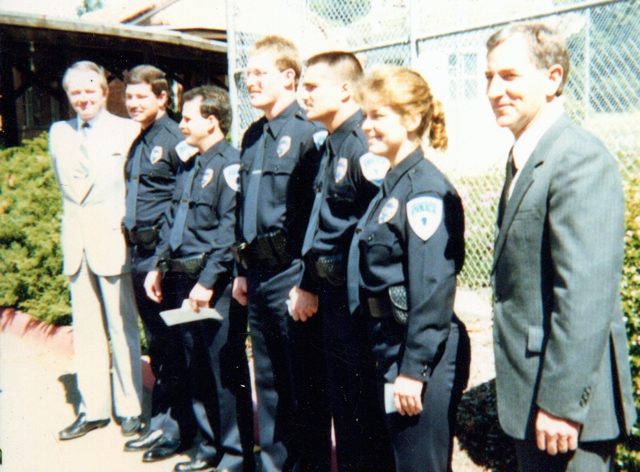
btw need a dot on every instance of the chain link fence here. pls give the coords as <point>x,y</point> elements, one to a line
<point>445,41</point>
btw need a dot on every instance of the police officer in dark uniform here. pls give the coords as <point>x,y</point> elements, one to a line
<point>403,261</point>
<point>195,253</point>
<point>150,174</point>
<point>348,179</point>
<point>279,162</point>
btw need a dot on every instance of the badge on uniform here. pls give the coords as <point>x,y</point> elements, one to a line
<point>283,146</point>
<point>388,211</point>
<point>185,151</point>
<point>206,178</point>
<point>232,176</point>
<point>341,169</point>
<point>424,215</point>
<point>319,138</point>
<point>156,154</point>
<point>374,167</point>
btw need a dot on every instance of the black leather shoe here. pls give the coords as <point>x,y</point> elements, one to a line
<point>144,442</point>
<point>195,465</point>
<point>130,426</point>
<point>164,448</point>
<point>81,426</point>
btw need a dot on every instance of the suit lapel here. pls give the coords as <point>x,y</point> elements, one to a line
<point>525,181</point>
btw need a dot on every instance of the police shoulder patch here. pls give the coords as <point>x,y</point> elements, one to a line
<point>374,167</point>
<point>388,211</point>
<point>232,176</point>
<point>185,151</point>
<point>206,177</point>
<point>156,154</point>
<point>341,169</point>
<point>319,137</point>
<point>283,146</point>
<point>424,215</point>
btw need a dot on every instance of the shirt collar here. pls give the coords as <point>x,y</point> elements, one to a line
<point>526,144</point>
<point>92,122</point>
<point>396,173</point>
<point>217,148</point>
<point>339,135</point>
<point>155,128</point>
<point>276,124</point>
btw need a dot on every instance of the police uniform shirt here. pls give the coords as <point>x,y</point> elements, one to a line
<point>158,167</point>
<point>413,234</point>
<point>210,221</point>
<point>351,179</point>
<point>291,159</point>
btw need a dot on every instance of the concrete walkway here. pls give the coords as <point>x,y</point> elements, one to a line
<point>38,394</point>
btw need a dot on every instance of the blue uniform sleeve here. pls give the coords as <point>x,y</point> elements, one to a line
<point>432,261</point>
<point>220,260</point>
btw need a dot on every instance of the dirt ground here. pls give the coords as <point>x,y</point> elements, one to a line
<point>37,394</point>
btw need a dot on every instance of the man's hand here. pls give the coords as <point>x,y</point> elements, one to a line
<point>239,290</point>
<point>302,304</point>
<point>200,296</point>
<point>152,286</point>
<point>555,434</point>
<point>407,395</point>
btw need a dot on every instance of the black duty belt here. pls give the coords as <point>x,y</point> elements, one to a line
<point>396,304</point>
<point>191,266</point>
<point>266,252</point>
<point>145,236</point>
<point>331,268</point>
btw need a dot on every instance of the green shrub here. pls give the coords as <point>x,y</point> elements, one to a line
<point>628,458</point>
<point>30,255</point>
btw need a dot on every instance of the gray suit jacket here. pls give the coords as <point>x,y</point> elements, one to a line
<point>559,337</point>
<point>93,208</point>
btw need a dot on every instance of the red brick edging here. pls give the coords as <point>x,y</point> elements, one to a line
<point>57,338</point>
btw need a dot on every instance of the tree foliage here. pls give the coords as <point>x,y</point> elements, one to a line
<point>88,6</point>
<point>30,255</point>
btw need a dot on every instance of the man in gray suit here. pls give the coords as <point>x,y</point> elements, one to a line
<point>563,381</point>
<point>88,155</point>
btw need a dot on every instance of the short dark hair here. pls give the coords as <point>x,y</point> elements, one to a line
<point>344,64</point>
<point>546,46</point>
<point>215,101</point>
<point>147,74</point>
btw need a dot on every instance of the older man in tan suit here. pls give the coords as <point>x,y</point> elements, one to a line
<point>88,155</point>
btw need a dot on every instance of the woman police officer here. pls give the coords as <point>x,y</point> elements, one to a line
<point>403,262</point>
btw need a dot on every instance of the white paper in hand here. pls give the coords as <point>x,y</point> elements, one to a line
<point>185,314</point>
<point>389,405</point>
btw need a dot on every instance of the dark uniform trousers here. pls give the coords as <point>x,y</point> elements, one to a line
<point>362,441</point>
<point>424,442</point>
<point>218,381</point>
<point>171,407</point>
<point>290,372</point>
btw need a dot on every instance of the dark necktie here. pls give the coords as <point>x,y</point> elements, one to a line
<point>314,219</point>
<point>353,268</point>
<point>132,192</point>
<point>177,229</point>
<point>511,172</point>
<point>83,161</point>
<point>250,214</point>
